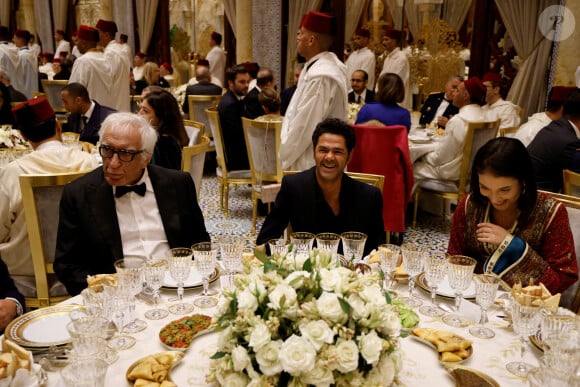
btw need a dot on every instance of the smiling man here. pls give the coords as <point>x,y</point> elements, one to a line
<point>126,208</point>
<point>323,198</point>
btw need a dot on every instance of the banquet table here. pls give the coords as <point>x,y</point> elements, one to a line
<point>420,365</point>
<point>418,149</point>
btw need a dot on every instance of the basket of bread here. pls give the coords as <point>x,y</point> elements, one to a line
<point>99,281</point>
<point>451,348</point>
<point>17,367</point>
<point>535,295</point>
<point>154,370</point>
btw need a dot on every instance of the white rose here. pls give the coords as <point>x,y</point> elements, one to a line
<point>319,376</point>
<point>331,280</point>
<point>370,346</point>
<point>223,305</point>
<point>317,333</point>
<point>391,325</point>
<point>259,336</point>
<point>297,355</point>
<point>298,260</point>
<point>256,287</point>
<point>268,358</point>
<point>224,337</point>
<point>247,301</point>
<point>236,379</point>
<point>282,291</point>
<point>329,308</point>
<point>373,294</point>
<point>387,368</point>
<point>359,309</point>
<point>240,358</point>
<point>297,277</point>
<point>346,353</point>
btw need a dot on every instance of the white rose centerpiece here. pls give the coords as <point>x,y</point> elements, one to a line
<point>305,322</point>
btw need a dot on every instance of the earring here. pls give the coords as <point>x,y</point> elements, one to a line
<point>524,189</point>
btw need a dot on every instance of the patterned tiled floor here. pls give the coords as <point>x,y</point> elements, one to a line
<point>432,232</point>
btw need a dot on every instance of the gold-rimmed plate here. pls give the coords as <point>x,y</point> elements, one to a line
<point>41,328</point>
<point>467,376</point>
<point>444,289</point>
<point>194,280</point>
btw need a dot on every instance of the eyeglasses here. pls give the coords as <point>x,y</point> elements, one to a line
<point>125,155</point>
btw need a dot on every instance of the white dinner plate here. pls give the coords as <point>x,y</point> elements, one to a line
<point>420,139</point>
<point>193,281</point>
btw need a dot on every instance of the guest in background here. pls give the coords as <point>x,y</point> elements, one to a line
<point>165,73</point>
<point>270,101</point>
<point>11,301</point>
<point>150,77</point>
<point>62,45</point>
<point>358,83</point>
<point>203,86</point>
<point>386,108</point>
<point>264,79</point>
<point>161,110</point>
<point>439,108</point>
<point>397,62</point>
<point>216,57</point>
<point>45,64</point>
<point>6,117</point>
<point>513,230</point>
<point>203,63</point>
<point>495,107</point>
<point>15,95</point>
<point>28,68</point>
<point>288,92</point>
<point>62,69</point>
<point>138,63</point>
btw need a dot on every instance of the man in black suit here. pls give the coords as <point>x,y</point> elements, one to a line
<point>557,147</point>
<point>202,87</point>
<point>438,108</point>
<point>264,79</point>
<point>11,301</point>
<point>323,198</point>
<point>231,111</point>
<point>126,208</point>
<point>358,83</point>
<point>287,93</point>
<point>86,114</point>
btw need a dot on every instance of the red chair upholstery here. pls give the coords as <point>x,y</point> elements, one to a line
<point>384,150</point>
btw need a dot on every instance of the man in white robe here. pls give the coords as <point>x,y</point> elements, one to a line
<point>28,69</point>
<point>120,65</point>
<point>93,69</point>
<point>62,46</point>
<point>216,57</point>
<point>126,48</point>
<point>9,58</point>
<point>321,91</point>
<point>36,121</point>
<point>497,108</point>
<point>362,57</point>
<point>397,62</point>
<point>444,162</point>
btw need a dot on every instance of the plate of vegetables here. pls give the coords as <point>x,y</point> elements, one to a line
<point>178,334</point>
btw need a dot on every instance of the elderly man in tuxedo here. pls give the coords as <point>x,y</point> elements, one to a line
<point>127,207</point>
<point>439,108</point>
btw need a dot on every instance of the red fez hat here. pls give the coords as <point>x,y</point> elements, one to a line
<point>124,36</point>
<point>74,34</point>
<point>88,33</point>
<point>392,33</point>
<point>319,22</point>
<point>560,93</point>
<point>59,31</point>
<point>167,67</point>
<point>363,32</point>
<point>24,34</point>
<point>107,26</point>
<point>491,77</point>
<point>140,55</point>
<point>203,62</point>
<point>475,88</point>
<point>251,67</point>
<point>56,60</point>
<point>32,112</point>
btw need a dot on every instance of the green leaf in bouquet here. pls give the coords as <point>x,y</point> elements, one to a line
<point>307,265</point>
<point>346,308</point>
<point>217,355</point>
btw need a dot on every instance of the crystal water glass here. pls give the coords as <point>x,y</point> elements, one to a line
<point>353,245</point>
<point>389,259</point>
<point>130,278</point>
<point>90,372</point>
<point>329,241</point>
<point>486,286</point>
<point>526,320</point>
<point>179,263</point>
<point>413,260</point>
<point>302,242</point>
<point>154,275</point>
<point>119,305</point>
<point>459,274</point>
<point>278,246</point>
<point>205,254</point>
<point>231,248</point>
<point>435,269</point>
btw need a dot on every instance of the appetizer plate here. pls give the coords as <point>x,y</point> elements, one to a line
<point>420,139</point>
<point>444,289</point>
<point>179,334</point>
<point>193,281</point>
<point>466,376</point>
<point>440,354</point>
<point>174,357</point>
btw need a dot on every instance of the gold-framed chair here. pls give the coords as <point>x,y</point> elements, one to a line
<point>503,132</point>
<point>52,91</point>
<point>263,146</point>
<point>571,185</point>
<point>478,133</point>
<point>194,131</point>
<point>193,160</point>
<point>198,105</point>
<point>41,199</point>
<point>225,177</point>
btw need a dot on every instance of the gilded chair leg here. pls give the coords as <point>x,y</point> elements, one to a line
<point>221,194</point>
<point>388,237</point>
<point>254,213</point>
<point>226,200</point>
<point>415,206</point>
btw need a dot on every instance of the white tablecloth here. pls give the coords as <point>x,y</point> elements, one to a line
<point>420,365</point>
<point>417,150</point>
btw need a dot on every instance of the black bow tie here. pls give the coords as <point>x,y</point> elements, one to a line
<point>123,189</point>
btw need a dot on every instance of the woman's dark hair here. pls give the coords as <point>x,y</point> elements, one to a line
<point>167,111</point>
<point>6,117</point>
<point>391,89</point>
<point>506,157</point>
<point>270,99</point>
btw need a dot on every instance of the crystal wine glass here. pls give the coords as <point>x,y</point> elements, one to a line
<point>118,304</point>
<point>278,246</point>
<point>155,274</point>
<point>389,255</point>
<point>459,273</point>
<point>353,245</point>
<point>205,260</point>
<point>526,320</point>
<point>413,263</point>
<point>435,268</point>
<point>130,276</point>
<point>328,241</point>
<point>485,288</point>
<point>231,254</point>
<point>179,263</point>
<point>302,242</point>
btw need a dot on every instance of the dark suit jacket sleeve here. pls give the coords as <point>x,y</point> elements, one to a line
<point>7,287</point>
<point>376,234</point>
<point>278,218</point>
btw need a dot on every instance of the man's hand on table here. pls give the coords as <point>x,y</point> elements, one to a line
<point>7,312</point>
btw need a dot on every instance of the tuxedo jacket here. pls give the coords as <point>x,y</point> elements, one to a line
<point>286,96</point>
<point>370,97</point>
<point>89,238</point>
<point>200,88</point>
<point>253,107</point>
<point>91,132</point>
<point>301,203</point>
<point>231,111</point>
<point>430,108</point>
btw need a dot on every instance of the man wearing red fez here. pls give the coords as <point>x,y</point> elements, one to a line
<point>126,48</point>
<point>36,121</point>
<point>362,58</point>
<point>443,161</point>
<point>396,62</point>
<point>93,70</point>
<point>216,57</point>
<point>28,69</point>
<point>321,92</point>
<point>554,111</point>
<point>120,64</point>
<point>495,107</point>
<point>62,46</point>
